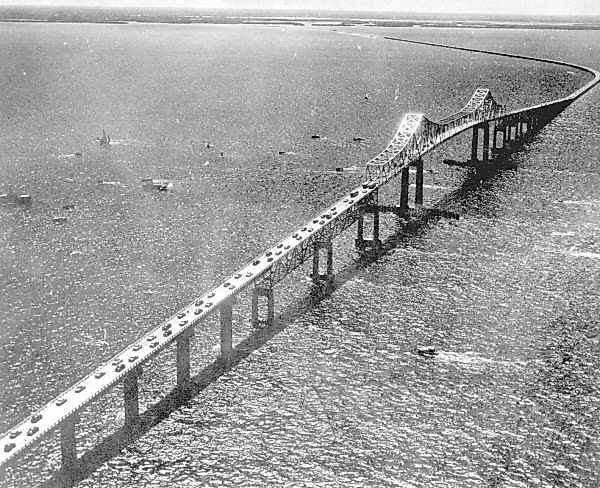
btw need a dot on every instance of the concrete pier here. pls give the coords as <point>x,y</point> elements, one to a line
<point>327,246</point>
<point>257,293</point>
<point>68,450</point>
<point>130,398</point>
<point>372,244</point>
<point>475,143</point>
<point>404,184</point>
<point>183,363</point>
<point>226,312</point>
<point>495,138</point>
<point>486,141</point>
<point>419,184</point>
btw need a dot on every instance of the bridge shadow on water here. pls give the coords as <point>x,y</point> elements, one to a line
<point>475,195</point>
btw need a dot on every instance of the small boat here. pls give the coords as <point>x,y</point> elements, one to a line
<point>24,199</point>
<point>358,139</point>
<point>160,184</point>
<point>426,351</point>
<point>104,140</point>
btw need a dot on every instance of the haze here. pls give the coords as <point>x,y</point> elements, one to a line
<point>512,7</point>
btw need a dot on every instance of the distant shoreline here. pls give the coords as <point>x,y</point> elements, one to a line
<point>319,23</point>
<point>283,18</point>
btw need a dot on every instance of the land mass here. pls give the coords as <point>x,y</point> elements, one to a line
<point>266,17</point>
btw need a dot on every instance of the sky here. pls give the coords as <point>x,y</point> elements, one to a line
<point>525,7</point>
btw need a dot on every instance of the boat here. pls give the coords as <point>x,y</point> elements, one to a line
<point>160,184</point>
<point>427,351</point>
<point>104,140</point>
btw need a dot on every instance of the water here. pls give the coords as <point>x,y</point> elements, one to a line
<point>508,295</point>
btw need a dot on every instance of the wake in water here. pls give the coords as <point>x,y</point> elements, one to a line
<point>578,202</point>
<point>473,359</point>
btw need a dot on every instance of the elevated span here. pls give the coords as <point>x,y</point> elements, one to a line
<point>415,136</point>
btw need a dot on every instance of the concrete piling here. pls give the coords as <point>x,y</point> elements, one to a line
<point>486,141</point>
<point>226,333</point>
<point>419,184</point>
<point>130,398</point>
<point>68,450</point>
<point>317,276</point>
<point>183,363</point>
<point>266,292</point>
<point>404,183</point>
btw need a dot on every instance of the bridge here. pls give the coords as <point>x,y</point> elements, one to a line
<point>502,131</point>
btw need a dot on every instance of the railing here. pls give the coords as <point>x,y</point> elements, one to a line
<point>416,136</point>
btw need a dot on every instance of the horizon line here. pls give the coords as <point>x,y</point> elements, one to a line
<point>298,9</point>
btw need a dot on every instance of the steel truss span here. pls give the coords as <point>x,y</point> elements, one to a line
<point>415,136</point>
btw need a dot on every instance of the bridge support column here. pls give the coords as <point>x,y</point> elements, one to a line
<point>183,363</point>
<point>374,244</point>
<point>496,147</point>
<point>475,143</point>
<point>404,180</point>
<point>226,312</point>
<point>522,128</point>
<point>486,141</point>
<point>267,292</point>
<point>360,241</point>
<point>419,184</point>
<point>68,450</point>
<point>130,398</point>
<point>326,278</point>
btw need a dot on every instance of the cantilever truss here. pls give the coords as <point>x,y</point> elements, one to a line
<point>417,135</point>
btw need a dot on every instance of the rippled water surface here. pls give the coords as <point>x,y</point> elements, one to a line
<point>335,394</point>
